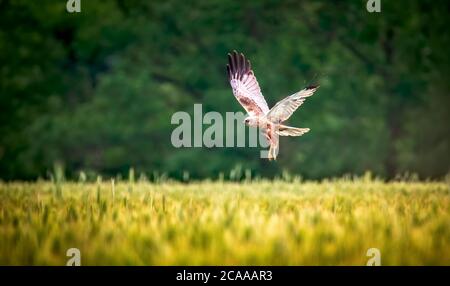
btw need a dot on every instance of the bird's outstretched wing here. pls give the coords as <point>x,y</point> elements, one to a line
<point>284,108</point>
<point>245,86</point>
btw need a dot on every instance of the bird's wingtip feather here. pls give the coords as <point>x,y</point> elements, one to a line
<point>313,86</point>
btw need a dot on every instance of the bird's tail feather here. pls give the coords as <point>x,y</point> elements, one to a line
<point>284,130</point>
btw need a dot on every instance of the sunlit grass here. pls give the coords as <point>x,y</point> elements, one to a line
<point>252,223</point>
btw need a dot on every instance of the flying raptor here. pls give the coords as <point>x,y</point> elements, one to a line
<point>247,92</point>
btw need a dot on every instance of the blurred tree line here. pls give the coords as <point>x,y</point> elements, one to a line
<point>96,90</point>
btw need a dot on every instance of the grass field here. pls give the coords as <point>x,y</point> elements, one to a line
<point>251,223</point>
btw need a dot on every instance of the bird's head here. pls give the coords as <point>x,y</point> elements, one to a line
<point>251,121</point>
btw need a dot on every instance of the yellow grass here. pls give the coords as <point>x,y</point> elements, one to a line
<point>208,223</point>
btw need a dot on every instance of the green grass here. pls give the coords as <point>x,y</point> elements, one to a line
<point>252,223</point>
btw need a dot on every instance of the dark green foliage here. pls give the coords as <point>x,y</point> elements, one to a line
<point>95,90</point>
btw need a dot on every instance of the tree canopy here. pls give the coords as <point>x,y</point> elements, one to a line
<point>96,90</point>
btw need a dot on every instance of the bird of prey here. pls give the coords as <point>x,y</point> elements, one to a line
<point>247,92</point>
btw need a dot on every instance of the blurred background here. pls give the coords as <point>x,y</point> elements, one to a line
<point>95,90</point>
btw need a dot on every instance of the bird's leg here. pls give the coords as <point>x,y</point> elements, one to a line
<point>274,148</point>
<point>269,139</point>
<point>270,153</point>
<point>272,137</point>
<point>274,142</point>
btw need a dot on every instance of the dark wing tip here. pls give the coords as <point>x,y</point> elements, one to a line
<point>238,65</point>
<point>313,86</point>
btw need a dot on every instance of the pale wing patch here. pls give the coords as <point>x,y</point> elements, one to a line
<point>286,107</point>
